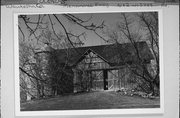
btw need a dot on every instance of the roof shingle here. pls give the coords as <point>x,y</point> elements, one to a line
<point>117,54</point>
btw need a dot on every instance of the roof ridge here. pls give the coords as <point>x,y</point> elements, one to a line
<point>104,45</point>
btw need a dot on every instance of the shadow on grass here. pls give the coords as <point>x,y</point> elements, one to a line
<point>92,100</point>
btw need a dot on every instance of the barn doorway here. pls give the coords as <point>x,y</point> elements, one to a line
<point>100,80</point>
<point>105,78</point>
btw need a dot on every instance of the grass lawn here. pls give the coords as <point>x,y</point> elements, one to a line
<point>92,100</point>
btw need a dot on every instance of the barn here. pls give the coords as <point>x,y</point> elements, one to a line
<point>102,67</point>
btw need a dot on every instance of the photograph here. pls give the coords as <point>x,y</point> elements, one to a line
<point>89,61</point>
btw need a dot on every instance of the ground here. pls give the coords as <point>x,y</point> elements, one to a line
<point>92,100</point>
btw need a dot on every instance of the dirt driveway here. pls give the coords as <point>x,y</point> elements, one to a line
<point>93,100</point>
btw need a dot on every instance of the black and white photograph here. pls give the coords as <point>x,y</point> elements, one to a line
<point>89,58</point>
<point>89,61</point>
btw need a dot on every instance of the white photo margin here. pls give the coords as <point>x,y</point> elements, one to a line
<point>89,112</point>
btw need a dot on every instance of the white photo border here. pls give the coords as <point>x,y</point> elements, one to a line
<point>89,112</point>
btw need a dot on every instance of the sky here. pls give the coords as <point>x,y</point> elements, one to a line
<point>110,20</point>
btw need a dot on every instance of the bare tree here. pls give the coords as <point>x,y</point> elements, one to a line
<point>150,23</point>
<point>41,31</point>
<point>149,75</point>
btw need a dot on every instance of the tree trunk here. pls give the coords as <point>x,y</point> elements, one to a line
<point>152,88</point>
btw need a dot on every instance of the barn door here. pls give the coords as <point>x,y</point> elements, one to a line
<point>98,81</point>
<point>113,80</point>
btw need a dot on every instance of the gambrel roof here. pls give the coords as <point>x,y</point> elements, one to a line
<point>113,54</point>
